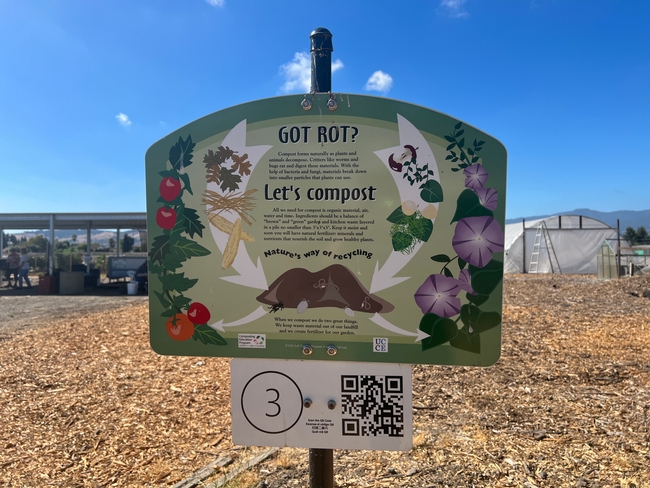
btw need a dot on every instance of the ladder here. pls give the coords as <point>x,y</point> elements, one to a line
<point>542,232</point>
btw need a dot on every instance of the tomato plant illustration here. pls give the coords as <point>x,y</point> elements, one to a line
<point>176,245</point>
<point>198,313</point>
<point>179,327</point>
<point>170,188</point>
<point>166,218</point>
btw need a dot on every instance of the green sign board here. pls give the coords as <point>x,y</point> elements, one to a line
<point>343,227</point>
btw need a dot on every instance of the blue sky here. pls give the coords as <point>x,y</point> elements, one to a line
<point>86,87</point>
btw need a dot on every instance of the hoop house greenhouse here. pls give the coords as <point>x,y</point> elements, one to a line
<point>566,244</point>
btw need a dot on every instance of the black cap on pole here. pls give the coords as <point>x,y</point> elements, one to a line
<point>321,60</point>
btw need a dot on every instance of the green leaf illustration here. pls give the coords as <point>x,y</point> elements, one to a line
<point>440,330</point>
<point>186,183</point>
<point>401,241</point>
<point>431,192</point>
<point>180,302</point>
<point>420,228</point>
<point>207,335</point>
<point>467,342</point>
<point>155,268</point>
<point>159,248</point>
<point>168,172</point>
<point>478,321</point>
<point>441,258</point>
<point>188,248</point>
<point>485,280</point>
<point>477,300</point>
<point>468,205</point>
<point>161,298</point>
<point>192,223</point>
<point>180,155</point>
<point>173,261</point>
<point>176,282</point>
<point>397,217</point>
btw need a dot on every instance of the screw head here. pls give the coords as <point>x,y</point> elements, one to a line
<point>331,404</point>
<point>332,350</point>
<point>331,103</point>
<point>306,402</point>
<point>307,349</point>
<point>305,104</point>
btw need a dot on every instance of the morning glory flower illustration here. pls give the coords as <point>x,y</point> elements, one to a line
<point>438,295</point>
<point>476,238</point>
<point>464,281</point>
<point>475,176</point>
<point>488,197</point>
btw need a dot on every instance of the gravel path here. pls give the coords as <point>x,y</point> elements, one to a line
<point>26,308</point>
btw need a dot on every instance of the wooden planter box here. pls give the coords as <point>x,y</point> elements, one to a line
<point>48,285</point>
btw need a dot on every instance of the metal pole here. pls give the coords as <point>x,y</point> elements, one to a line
<point>523,264</point>
<point>618,251</point>
<point>321,60</point>
<point>321,468</point>
<point>321,461</point>
<point>50,249</point>
<point>2,242</point>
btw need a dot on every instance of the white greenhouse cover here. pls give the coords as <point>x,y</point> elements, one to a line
<point>575,239</point>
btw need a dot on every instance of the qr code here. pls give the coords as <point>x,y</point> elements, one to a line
<point>373,405</point>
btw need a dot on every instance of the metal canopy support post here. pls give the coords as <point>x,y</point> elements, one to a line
<point>50,250</point>
<point>321,461</point>
<point>618,250</point>
<point>523,264</point>
<point>117,244</point>
<point>2,275</point>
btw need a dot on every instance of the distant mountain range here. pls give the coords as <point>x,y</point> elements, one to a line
<point>627,218</point>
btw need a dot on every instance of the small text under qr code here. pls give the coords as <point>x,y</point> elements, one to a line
<point>372,405</point>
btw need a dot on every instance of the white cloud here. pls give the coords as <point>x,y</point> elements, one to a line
<point>297,73</point>
<point>216,3</point>
<point>454,8</point>
<point>123,119</point>
<point>380,82</point>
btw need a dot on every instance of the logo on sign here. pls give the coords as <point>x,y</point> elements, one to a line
<point>380,344</point>
<point>251,341</point>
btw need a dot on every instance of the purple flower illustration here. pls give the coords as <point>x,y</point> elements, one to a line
<point>488,197</point>
<point>464,281</point>
<point>476,238</point>
<point>475,176</point>
<point>438,295</point>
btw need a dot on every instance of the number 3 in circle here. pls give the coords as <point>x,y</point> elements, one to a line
<point>274,402</point>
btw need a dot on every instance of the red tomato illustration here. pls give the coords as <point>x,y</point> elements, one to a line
<point>180,329</point>
<point>170,188</point>
<point>166,218</point>
<point>198,313</point>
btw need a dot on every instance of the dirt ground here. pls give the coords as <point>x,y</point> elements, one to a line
<point>85,402</point>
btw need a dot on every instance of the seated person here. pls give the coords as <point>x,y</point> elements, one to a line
<point>142,276</point>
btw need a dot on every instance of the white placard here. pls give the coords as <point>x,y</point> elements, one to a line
<point>318,404</point>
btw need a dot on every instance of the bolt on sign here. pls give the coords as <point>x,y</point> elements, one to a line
<point>328,226</point>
